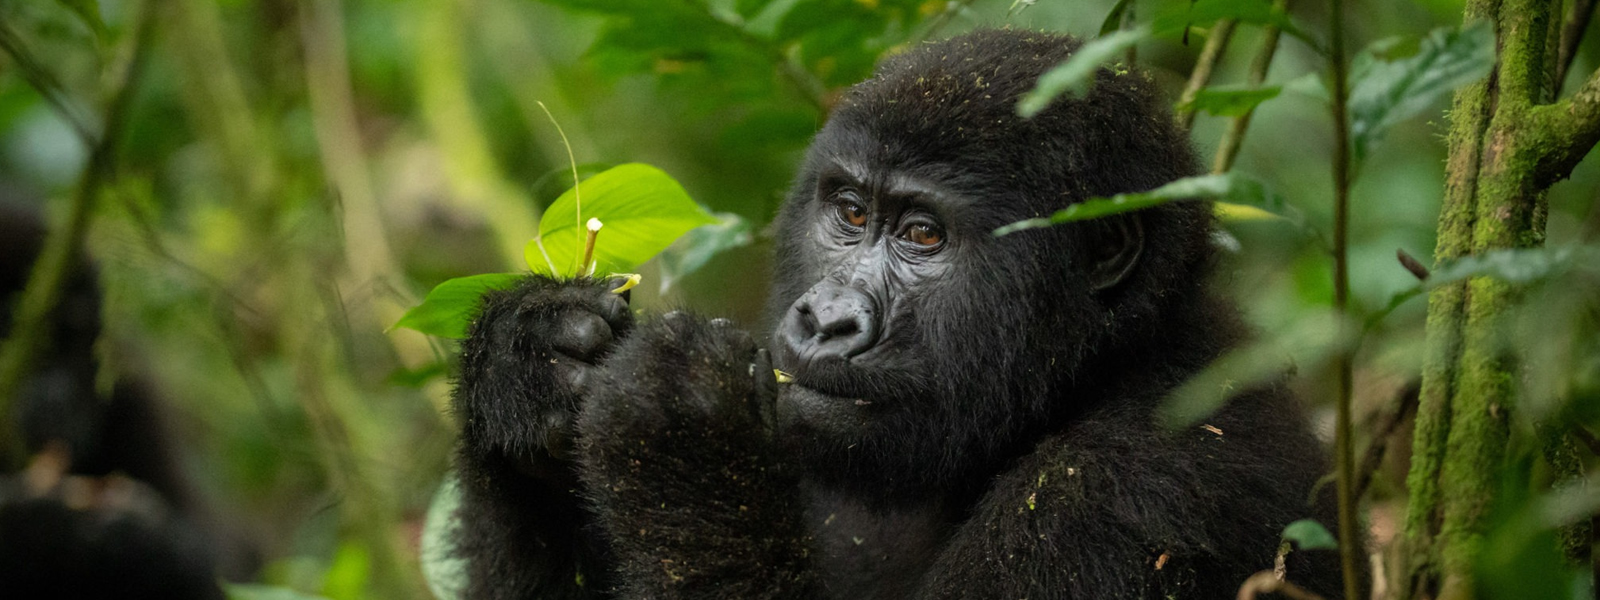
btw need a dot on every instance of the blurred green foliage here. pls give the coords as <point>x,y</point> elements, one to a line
<point>296,173</point>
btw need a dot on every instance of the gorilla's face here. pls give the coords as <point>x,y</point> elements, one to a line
<point>925,350</point>
<point>919,342</point>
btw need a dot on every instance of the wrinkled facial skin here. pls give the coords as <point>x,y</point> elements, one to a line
<point>902,318</point>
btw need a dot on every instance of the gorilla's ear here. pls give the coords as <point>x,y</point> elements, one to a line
<point>1120,244</point>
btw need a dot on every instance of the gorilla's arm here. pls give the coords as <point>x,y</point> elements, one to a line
<point>1198,509</point>
<point>525,366</point>
<point>676,455</point>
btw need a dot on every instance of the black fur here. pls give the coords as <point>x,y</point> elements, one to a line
<point>971,418</point>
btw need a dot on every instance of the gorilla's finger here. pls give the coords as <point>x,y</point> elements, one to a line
<point>763,405</point>
<point>582,335</point>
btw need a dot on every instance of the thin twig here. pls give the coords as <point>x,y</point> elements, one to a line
<point>63,245</point>
<point>1577,22</point>
<point>1210,55</point>
<point>46,84</point>
<point>1266,582</point>
<point>1348,545</point>
<point>1228,148</point>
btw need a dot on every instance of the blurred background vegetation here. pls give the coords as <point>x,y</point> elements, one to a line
<point>293,174</point>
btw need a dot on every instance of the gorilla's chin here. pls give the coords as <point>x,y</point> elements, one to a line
<point>806,413</point>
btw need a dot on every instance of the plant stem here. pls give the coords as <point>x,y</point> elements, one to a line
<point>1349,541</point>
<point>1571,34</point>
<point>1210,55</point>
<point>1228,148</point>
<point>587,266</point>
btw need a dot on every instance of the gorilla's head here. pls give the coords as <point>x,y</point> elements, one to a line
<point>924,348</point>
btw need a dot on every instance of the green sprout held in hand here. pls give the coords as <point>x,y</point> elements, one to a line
<point>642,209</point>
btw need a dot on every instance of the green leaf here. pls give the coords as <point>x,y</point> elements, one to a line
<point>1231,188</point>
<point>445,572</point>
<point>1308,534</point>
<point>1387,93</point>
<point>1113,20</point>
<point>643,211</point>
<point>449,308</point>
<point>693,250</point>
<point>1307,341</point>
<point>1516,266</point>
<point>1230,102</point>
<point>253,591</point>
<point>1076,72</point>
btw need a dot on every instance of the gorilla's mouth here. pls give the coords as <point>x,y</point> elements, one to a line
<point>806,409</point>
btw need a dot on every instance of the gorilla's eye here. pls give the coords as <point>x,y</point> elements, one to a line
<point>924,235</point>
<point>852,212</point>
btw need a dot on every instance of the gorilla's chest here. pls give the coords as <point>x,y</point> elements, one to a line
<point>869,554</point>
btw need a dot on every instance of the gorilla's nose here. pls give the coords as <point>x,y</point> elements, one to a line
<point>831,321</point>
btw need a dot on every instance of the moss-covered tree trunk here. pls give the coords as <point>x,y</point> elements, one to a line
<point>1508,142</point>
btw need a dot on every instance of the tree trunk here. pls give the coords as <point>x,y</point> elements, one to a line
<point>1507,144</point>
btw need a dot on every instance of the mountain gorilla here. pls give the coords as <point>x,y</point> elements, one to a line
<point>969,416</point>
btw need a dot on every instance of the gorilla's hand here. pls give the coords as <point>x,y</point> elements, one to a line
<point>527,363</point>
<point>678,461</point>
<point>684,372</point>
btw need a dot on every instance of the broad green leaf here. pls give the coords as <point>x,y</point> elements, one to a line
<point>643,211</point>
<point>1113,20</point>
<point>1309,85</point>
<point>449,308</point>
<point>1231,188</point>
<point>445,572</point>
<point>1308,534</point>
<point>1231,102</point>
<point>558,180</point>
<point>254,591</point>
<point>1389,92</point>
<point>693,250</point>
<point>1076,72</point>
<point>1515,266</point>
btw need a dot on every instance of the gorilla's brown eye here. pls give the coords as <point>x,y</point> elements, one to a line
<point>925,235</point>
<point>852,213</point>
